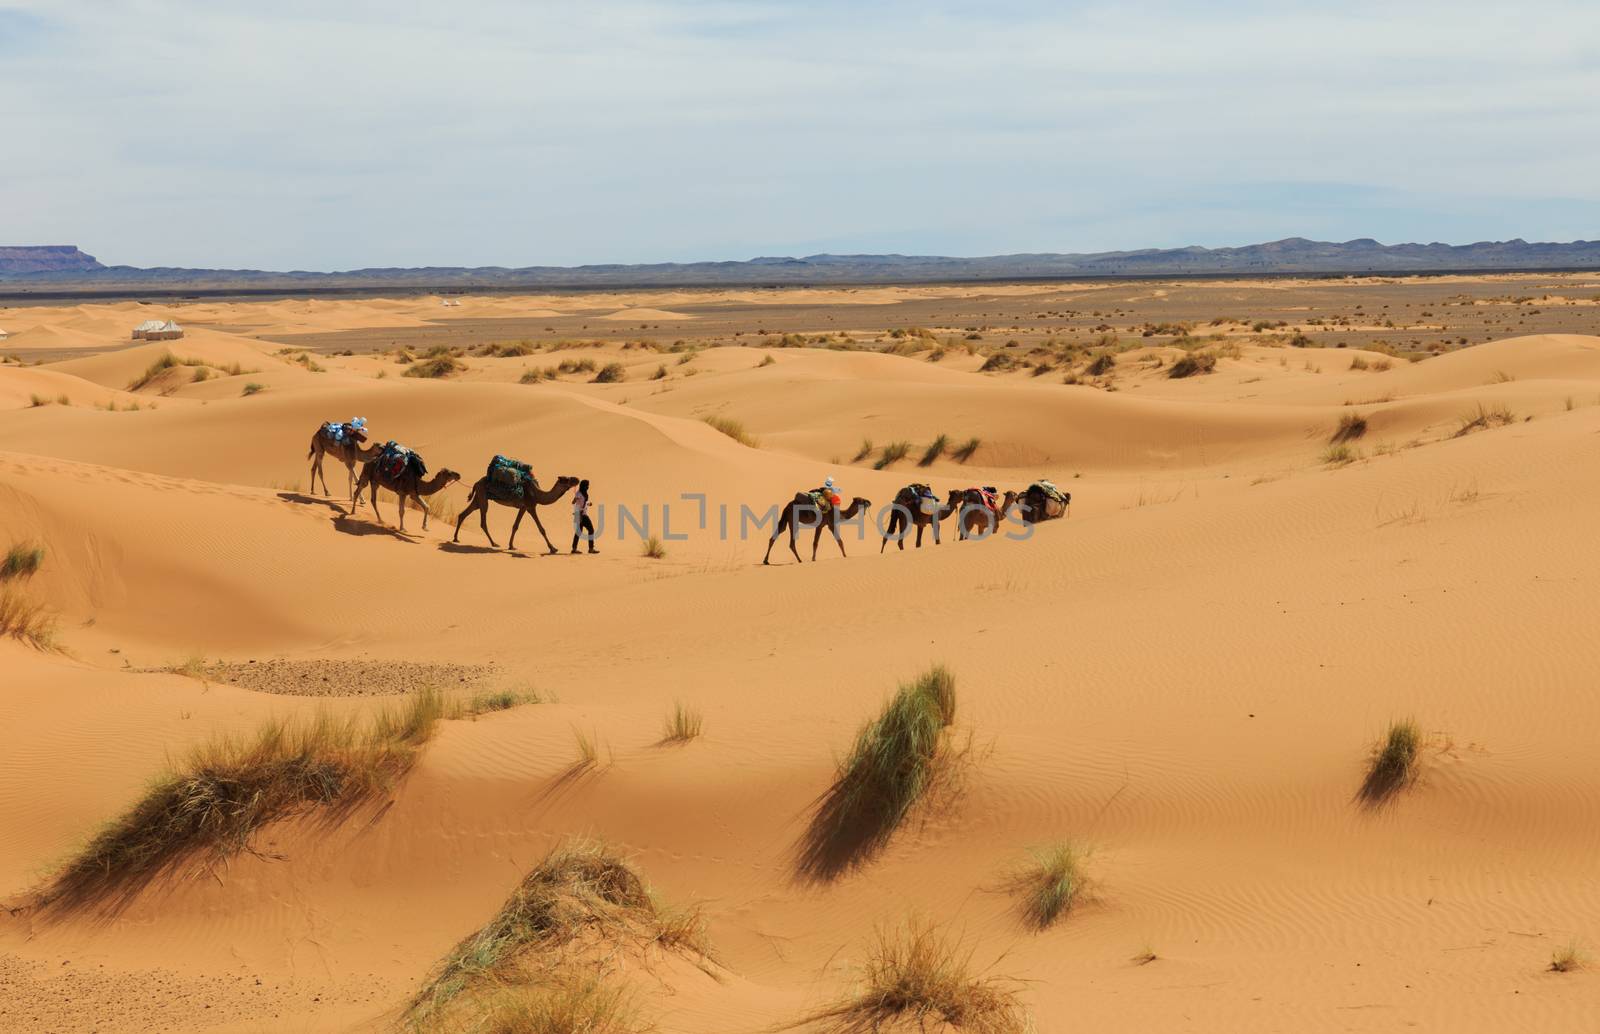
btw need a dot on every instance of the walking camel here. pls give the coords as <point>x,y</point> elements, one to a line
<point>907,510</point>
<point>407,483</point>
<point>532,498</point>
<point>803,512</point>
<point>347,450</point>
<point>977,516</point>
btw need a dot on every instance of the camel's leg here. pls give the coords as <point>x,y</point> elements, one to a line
<point>816,537</point>
<point>833,527</point>
<point>919,535</point>
<point>533,511</point>
<point>466,511</point>
<point>794,526</point>
<point>350,480</point>
<point>783,522</point>
<point>483,518</point>
<point>374,501</point>
<point>894,526</point>
<point>511,543</point>
<point>316,460</point>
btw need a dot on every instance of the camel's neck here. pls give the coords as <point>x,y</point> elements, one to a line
<point>545,497</point>
<point>854,508</point>
<point>432,485</point>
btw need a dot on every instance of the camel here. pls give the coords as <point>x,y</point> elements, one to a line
<point>533,498</point>
<point>1037,506</point>
<point>407,484</point>
<point>347,452</point>
<point>802,512</point>
<point>907,510</point>
<point>975,514</point>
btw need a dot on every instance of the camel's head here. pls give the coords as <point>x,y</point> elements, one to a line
<point>954,498</point>
<point>447,477</point>
<point>859,504</point>
<point>566,482</point>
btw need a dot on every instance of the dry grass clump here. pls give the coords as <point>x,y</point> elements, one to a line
<point>1101,365</point>
<point>1339,455</point>
<point>610,373</point>
<point>965,450</point>
<point>653,548</point>
<point>581,888</point>
<point>683,724</point>
<point>253,388</point>
<point>896,759</point>
<point>892,453</point>
<point>569,1005</point>
<point>1568,958</point>
<point>207,808</point>
<point>1050,883</point>
<point>935,449</point>
<point>499,700</point>
<point>733,429</point>
<point>443,366</point>
<point>1484,419</point>
<point>166,362</point>
<point>22,560</point>
<point>24,619</point>
<point>998,362</point>
<point>1193,364</point>
<point>863,452</point>
<point>1395,763</point>
<point>1351,426</point>
<point>918,978</point>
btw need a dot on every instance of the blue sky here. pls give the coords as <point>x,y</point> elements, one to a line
<point>300,135</point>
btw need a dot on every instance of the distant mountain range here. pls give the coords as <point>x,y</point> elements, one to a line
<point>56,267</point>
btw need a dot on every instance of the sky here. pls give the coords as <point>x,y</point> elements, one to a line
<point>343,133</point>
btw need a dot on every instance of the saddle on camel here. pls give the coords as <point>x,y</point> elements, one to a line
<point>510,480</point>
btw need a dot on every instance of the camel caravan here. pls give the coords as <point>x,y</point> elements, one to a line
<point>979,510</point>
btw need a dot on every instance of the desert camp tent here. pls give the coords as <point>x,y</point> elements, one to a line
<point>156,330</point>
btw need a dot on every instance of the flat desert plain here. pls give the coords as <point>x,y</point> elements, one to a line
<point>1290,725</point>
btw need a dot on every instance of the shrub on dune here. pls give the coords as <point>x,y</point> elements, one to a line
<point>1395,763</point>
<point>443,366</point>
<point>580,889</point>
<point>1568,958</point>
<point>683,724</point>
<point>966,450</point>
<point>567,1005</point>
<point>896,759</point>
<point>1193,364</point>
<point>208,808</point>
<point>1050,884</point>
<point>1351,426</point>
<point>610,373</point>
<point>27,620</point>
<point>935,449</point>
<point>166,362</point>
<point>733,429</point>
<point>892,453</point>
<point>653,548</point>
<point>22,560</point>
<point>918,978</point>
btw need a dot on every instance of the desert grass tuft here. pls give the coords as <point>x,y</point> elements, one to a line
<point>610,373</point>
<point>498,700</point>
<point>207,808</point>
<point>1568,958</point>
<point>653,548</point>
<point>253,388</point>
<point>1483,419</point>
<point>1339,455</point>
<point>733,429</point>
<point>588,749</point>
<point>27,620</point>
<point>1351,426</point>
<point>564,1005</point>
<point>443,366</point>
<point>1050,883</point>
<point>22,560</point>
<point>896,759</point>
<point>1193,364</point>
<point>683,724</point>
<point>165,362</point>
<point>919,978</point>
<point>892,453</point>
<point>1394,765</point>
<point>965,451</point>
<point>580,888</point>
<point>935,449</point>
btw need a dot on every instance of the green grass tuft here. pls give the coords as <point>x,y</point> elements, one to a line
<point>892,453</point>
<point>22,560</point>
<point>1395,763</point>
<point>1050,883</point>
<point>653,548</point>
<point>935,449</point>
<point>208,808</point>
<point>610,373</point>
<point>896,759</point>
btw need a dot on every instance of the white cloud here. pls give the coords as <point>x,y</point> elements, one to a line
<point>167,132</point>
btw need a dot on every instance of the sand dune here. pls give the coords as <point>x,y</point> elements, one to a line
<point>1185,676</point>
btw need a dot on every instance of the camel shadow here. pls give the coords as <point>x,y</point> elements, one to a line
<point>310,500</point>
<point>348,525</point>
<point>462,547</point>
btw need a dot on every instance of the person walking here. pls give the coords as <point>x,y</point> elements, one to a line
<point>582,526</point>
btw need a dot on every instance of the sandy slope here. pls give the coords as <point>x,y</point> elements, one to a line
<point>1185,675</point>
